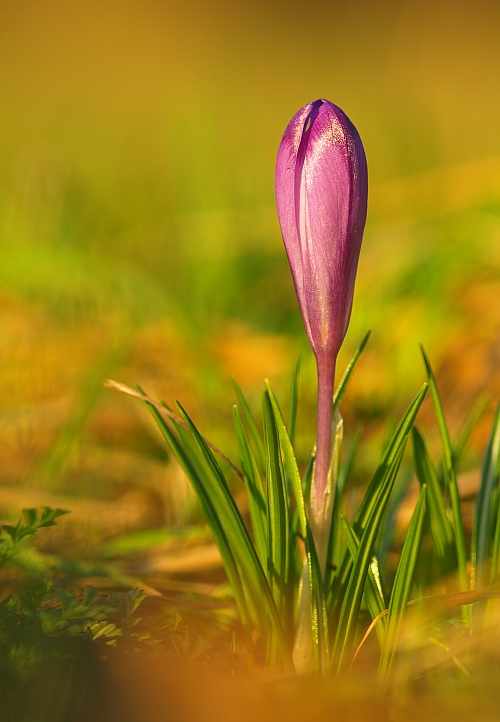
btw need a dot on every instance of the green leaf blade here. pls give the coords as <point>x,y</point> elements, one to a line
<point>402,584</point>
<point>352,601</point>
<point>257,504</point>
<point>346,377</point>
<point>318,610</point>
<point>240,541</point>
<point>484,518</point>
<point>210,514</point>
<point>252,426</point>
<point>294,402</point>
<point>337,590</point>
<point>441,530</point>
<point>277,511</point>
<point>373,592</point>
<point>458,527</point>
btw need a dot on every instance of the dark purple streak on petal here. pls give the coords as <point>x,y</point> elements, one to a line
<point>301,156</point>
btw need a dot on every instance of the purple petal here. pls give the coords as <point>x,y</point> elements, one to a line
<point>321,194</point>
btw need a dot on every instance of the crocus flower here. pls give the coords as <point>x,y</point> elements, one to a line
<point>321,195</point>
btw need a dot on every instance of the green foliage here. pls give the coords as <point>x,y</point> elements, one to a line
<point>32,520</point>
<point>485,518</point>
<point>351,602</point>
<point>450,476</point>
<point>52,613</point>
<point>441,530</point>
<point>273,564</point>
<point>51,637</point>
<point>385,473</point>
<point>255,488</point>
<point>402,585</point>
<point>292,610</point>
<point>56,611</point>
<point>265,568</point>
<point>277,517</point>
<point>373,593</point>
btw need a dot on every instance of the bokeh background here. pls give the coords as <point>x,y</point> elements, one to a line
<point>139,239</point>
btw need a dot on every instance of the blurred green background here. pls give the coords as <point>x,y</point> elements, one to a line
<point>139,238</point>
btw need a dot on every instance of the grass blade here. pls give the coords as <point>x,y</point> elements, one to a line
<point>451,478</point>
<point>257,504</point>
<point>389,523</point>
<point>332,532</point>
<point>352,601</point>
<point>253,429</point>
<point>484,519</point>
<point>306,488</point>
<point>344,381</point>
<point>468,427</point>
<point>294,401</point>
<point>495,554</point>
<point>239,539</point>
<point>373,591</point>
<point>337,591</point>
<point>391,452</point>
<point>402,584</point>
<point>277,515</point>
<point>317,603</point>
<point>336,544</point>
<point>210,514</point>
<point>346,467</point>
<point>441,530</point>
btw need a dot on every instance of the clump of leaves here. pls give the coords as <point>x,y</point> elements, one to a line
<point>11,537</point>
<point>305,612</point>
<point>46,623</point>
<point>53,640</point>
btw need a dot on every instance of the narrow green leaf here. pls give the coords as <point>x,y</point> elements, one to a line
<point>211,516</point>
<point>253,429</point>
<point>389,522</point>
<point>352,601</point>
<point>484,518</point>
<point>402,584</point>
<point>392,451</point>
<point>332,532</point>
<point>306,488</point>
<point>319,615</point>
<point>373,590</point>
<point>336,544</point>
<point>289,458</point>
<point>495,554</point>
<point>441,530</point>
<point>239,538</point>
<point>277,511</point>
<point>257,504</point>
<point>318,612</point>
<point>294,402</point>
<point>344,381</point>
<point>458,527</point>
<point>346,467</point>
<point>145,539</point>
<point>468,427</point>
<point>296,563</point>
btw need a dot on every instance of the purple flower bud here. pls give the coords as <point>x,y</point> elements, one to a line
<point>321,195</point>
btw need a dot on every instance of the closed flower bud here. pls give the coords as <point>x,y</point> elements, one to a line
<point>321,195</point>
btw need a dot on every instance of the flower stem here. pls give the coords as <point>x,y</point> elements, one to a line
<point>321,494</point>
